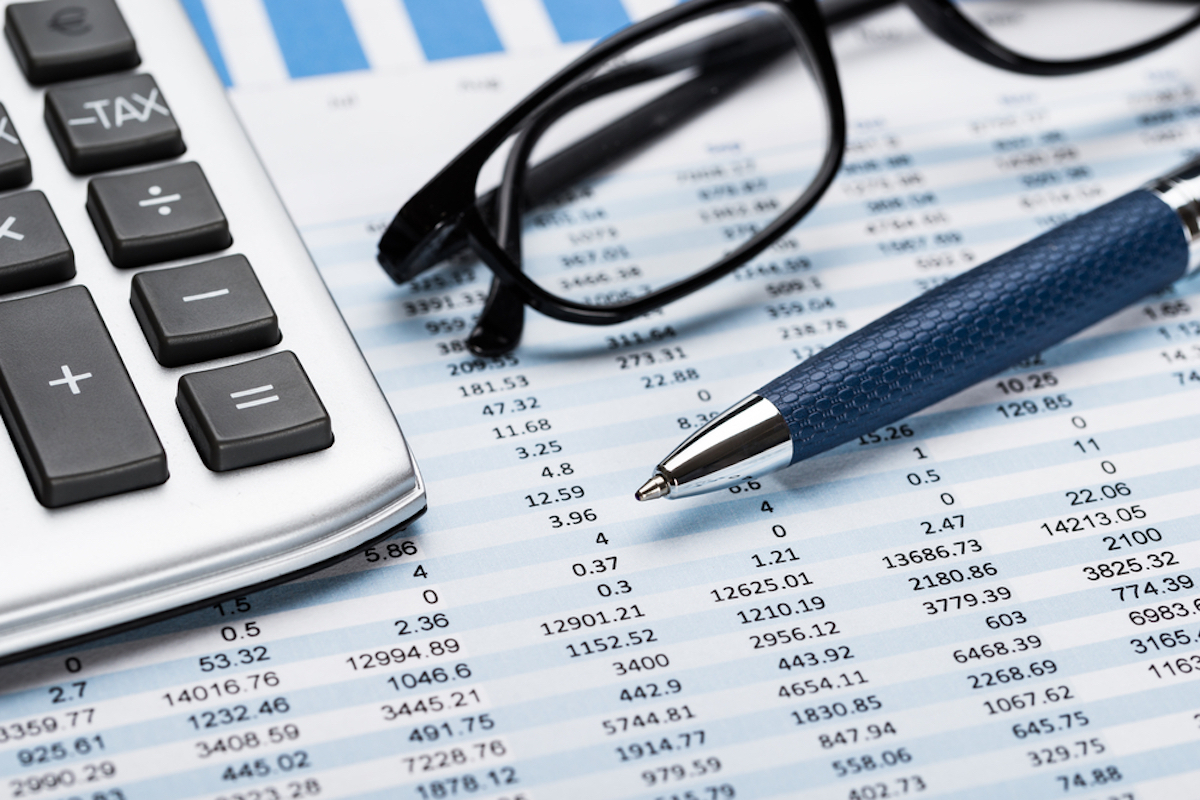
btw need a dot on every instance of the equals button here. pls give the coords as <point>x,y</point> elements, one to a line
<point>289,419</point>
<point>261,401</point>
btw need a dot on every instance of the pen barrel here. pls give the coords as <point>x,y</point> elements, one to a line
<point>982,322</point>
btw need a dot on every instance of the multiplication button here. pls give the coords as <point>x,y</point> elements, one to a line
<point>203,311</point>
<point>253,412</point>
<point>157,215</point>
<point>57,40</point>
<point>33,249</point>
<point>15,169</point>
<point>70,408</point>
<point>107,123</point>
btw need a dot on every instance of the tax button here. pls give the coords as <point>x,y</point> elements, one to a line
<point>105,123</point>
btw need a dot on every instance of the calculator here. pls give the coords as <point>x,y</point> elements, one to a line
<point>187,414</point>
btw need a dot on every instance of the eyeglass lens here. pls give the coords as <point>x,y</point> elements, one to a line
<point>673,112</point>
<point>1061,30</point>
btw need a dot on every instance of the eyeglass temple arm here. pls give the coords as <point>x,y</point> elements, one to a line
<point>841,12</point>
<point>501,321</point>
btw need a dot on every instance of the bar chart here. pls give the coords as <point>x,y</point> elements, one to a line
<point>307,38</point>
<point>452,28</point>
<point>316,37</point>
<point>576,22</point>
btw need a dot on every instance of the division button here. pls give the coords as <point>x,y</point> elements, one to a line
<point>105,123</point>
<point>33,249</point>
<point>70,408</point>
<point>58,40</point>
<point>157,215</point>
<point>253,412</point>
<point>203,311</point>
<point>15,169</point>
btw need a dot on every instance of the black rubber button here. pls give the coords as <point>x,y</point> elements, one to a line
<point>157,215</point>
<point>33,248</point>
<point>107,123</point>
<point>253,412</point>
<point>70,408</point>
<point>58,40</point>
<point>15,169</point>
<point>203,311</point>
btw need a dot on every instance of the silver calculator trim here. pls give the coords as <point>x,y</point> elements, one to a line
<point>71,571</point>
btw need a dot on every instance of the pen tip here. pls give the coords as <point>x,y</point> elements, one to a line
<point>653,488</point>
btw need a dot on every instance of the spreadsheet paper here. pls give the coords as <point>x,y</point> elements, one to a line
<point>998,597</point>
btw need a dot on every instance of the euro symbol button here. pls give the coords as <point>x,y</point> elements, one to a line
<point>71,21</point>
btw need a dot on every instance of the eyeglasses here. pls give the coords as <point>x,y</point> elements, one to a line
<point>644,103</point>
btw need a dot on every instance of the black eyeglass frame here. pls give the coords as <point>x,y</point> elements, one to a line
<point>446,212</point>
<point>944,19</point>
<point>446,205</point>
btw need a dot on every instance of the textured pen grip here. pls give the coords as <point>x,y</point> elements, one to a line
<point>981,322</point>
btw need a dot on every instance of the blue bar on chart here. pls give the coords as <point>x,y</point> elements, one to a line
<point>577,22</point>
<point>208,37</point>
<point>453,28</point>
<point>315,36</point>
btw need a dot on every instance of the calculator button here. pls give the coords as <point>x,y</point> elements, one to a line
<point>33,249</point>
<point>157,215</point>
<point>58,40</point>
<point>253,412</point>
<point>107,123</point>
<point>69,405</point>
<point>15,169</point>
<point>203,311</point>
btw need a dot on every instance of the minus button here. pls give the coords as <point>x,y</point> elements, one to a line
<point>201,312</point>
<point>193,297</point>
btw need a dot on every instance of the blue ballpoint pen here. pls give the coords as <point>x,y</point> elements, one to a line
<point>953,336</point>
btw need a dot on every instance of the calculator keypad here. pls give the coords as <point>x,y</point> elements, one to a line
<point>203,311</point>
<point>157,215</point>
<point>33,248</point>
<point>15,169</point>
<point>106,123</point>
<point>253,412</point>
<point>59,40</point>
<point>69,404</point>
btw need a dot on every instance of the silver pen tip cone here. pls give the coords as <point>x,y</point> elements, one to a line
<point>654,488</point>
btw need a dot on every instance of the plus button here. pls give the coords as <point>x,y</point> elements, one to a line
<point>70,380</point>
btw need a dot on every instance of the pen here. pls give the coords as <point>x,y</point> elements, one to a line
<point>951,337</point>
